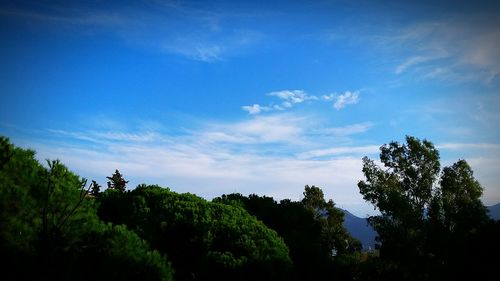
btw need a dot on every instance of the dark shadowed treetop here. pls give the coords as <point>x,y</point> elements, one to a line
<point>116,181</point>
<point>95,188</point>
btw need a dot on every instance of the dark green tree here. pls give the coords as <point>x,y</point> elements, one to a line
<point>116,181</point>
<point>331,219</point>
<point>95,189</point>
<point>49,229</point>
<point>424,216</point>
<point>204,240</point>
<point>298,227</point>
<point>312,229</point>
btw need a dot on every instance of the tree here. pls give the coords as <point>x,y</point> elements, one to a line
<point>95,189</point>
<point>312,229</point>
<point>49,229</point>
<point>116,181</point>
<point>298,227</point>
<point>335,236</point>
<point>204,240</point>
<point>424,215</point>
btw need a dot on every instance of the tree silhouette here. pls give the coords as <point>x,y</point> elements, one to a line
<point>311,228</point>
<point>427,220</point>
<point>116,181</point>
<point>95,189</point>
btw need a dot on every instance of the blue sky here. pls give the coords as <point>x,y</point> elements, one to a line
<point>250,96</point>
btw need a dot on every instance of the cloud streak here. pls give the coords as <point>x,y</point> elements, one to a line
<point>188,31</point>
<point>461,48</point>
<point>290,98</point>
<point>349,129</point>
<point>274,155</point>
<point>258,155</point>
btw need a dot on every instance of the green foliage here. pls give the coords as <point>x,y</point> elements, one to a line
<point>204,240</point>
<point>331,219</point>
<point>49,228</point>
<point>117,253</point>
<point>432,226</point>
<point>312,229</point>
<point>427,222</point>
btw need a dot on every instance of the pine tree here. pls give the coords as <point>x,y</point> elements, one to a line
<point>95,189</point>
<point>117,181</point>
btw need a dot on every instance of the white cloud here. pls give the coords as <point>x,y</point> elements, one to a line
<point>107,136</point>
<point>461,48</point>
<point>268,155</point>
<point>255,108</point>
<point>206,53</point>
<point>212,171</point>
<point>369,149</point>
<point>289,98</point>
<point>211,46</point>
<point>292,97</point>
<point>411,62</point>
<point>193,33</point>
<point>277,128</point>
<point>250,156</point>
<point>329,97</point>
<point>345,99</point>
<point>467,146</point>
<point>349,129</point>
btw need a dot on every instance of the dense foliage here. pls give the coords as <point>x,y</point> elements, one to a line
<point>49,229</point>
<point>432,223</point>
<point>204,240</point>
<point>432,226</point>
<point>312,229</point>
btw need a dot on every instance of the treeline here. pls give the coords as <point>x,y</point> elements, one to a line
<point>55,226</point>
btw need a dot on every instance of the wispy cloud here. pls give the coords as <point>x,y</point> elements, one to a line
<point>457,48</point>
<point>276,128</point>
<point>81,17</point>
<point>349,129</point>
<point>255,108</point>
<point>257,155</point>
<point>412,62</point>
<point>190,31</point>
<point>468,146</point>
<point>207,52</point>
<point>267,154</point>
<point>290,98</point>
<point>349,150</point>
<point>211,45</point>
<point>345,99</point>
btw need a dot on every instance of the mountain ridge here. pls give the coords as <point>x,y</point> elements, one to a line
<point>360,229</point>
<point>494,211</point>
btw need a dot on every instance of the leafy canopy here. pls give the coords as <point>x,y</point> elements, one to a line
<point>49,228</point>
<point>425,213</point>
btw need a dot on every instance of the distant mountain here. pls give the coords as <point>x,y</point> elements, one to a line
<point>494,211</point>
<point>360,229</point>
